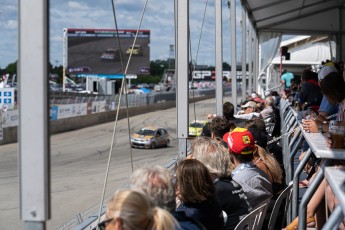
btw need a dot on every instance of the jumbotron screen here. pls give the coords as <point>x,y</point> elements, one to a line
<point>99,51</point>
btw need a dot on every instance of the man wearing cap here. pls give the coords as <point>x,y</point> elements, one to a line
<point>253,180</point>
<point>249,111</point>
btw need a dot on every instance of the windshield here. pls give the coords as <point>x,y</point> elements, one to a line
<point>146,132</point>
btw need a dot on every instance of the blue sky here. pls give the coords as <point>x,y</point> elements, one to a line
<point>159,18</point>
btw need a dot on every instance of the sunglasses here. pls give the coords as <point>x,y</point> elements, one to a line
<point>103,224</point>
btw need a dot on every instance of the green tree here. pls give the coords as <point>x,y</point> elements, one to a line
<point>11,68</point>
<point>157,67</point>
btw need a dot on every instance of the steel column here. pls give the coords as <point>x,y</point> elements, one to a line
<point>219,57</point>
<point>182,70</point>
<point>233,54</point>
<point>34,148</point>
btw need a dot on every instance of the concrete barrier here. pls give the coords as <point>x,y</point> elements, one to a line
<point>10,134</point>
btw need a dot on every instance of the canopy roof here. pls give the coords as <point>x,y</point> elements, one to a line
<point>296,16</point>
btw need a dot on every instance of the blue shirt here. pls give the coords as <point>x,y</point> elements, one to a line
<point>287,77</point>
<point>327,107</point>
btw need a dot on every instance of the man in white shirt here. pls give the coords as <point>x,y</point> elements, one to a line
<point>249,111</point>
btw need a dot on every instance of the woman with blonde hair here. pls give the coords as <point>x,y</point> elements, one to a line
<point>267,163</point>
<point>131,210</point>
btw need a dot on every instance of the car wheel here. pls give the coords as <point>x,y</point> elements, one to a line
<point>167,143</point>
<point>153,145</point>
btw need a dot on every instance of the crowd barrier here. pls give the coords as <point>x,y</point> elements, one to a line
<point>335,176</point>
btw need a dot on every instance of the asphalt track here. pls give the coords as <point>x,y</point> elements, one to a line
<point>78,164</point>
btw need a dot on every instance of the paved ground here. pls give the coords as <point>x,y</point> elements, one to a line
<point>78,163</point>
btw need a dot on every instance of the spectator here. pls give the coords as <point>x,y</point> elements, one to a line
<point>253,180</point>
<point>132,210</point>
<point>228,114</point>
<point>156,183</point>
<point>249,112</point>
<point>326,108</point>
<point>218,127</point>
<point>229,194</point>
<point>332,85</point>
<point>267,112</point>
<point>261,138</point>
<point>197,193</point>
<point>286,79</point>
<point>310,94</point>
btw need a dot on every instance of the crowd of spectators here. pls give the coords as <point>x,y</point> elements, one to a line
<point>318,96</point>
<point>233,168</point>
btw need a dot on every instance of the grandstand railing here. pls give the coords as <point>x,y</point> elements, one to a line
<point>291,121</point>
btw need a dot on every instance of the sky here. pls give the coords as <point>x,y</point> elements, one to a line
<point>158,18</point>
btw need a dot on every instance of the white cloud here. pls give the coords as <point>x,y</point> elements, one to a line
<point>159,18</point>
<point>73,5</point>
<point>11,24</point>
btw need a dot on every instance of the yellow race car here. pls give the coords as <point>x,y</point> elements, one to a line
<point>195,128</point>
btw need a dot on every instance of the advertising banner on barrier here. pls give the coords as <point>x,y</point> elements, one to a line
<point>71,110</point>
<point>10,118</point>
<point>99,106</point>
<point>54,112</point>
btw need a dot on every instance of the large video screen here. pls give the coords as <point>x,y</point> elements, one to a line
<point>99,51</point>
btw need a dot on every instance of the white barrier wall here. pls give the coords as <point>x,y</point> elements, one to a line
<point>9,118</point>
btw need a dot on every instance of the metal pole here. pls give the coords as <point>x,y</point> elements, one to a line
<point>34,117</point>
<point>233,54</point>
<point>244,58</point>
<point>256,66</point>
<point>64,59</point>
<point>182,70</point>
<point>250,65</point>
<point>219,57</point>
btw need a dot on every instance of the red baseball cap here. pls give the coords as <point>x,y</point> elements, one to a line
<point>240,141</point>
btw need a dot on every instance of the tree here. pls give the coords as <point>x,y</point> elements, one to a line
<point>157,67</point>
<point>11,68</point>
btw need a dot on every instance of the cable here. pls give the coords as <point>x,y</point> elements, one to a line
<point>117,34</point>
<point>117,112</point>
<point>197,54</point>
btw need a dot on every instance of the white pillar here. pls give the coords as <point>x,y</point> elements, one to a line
<point>34,119</point>
<point>182,70</point>
<point>233,54</point>
<point>244,59</point>
<point>219,57</point>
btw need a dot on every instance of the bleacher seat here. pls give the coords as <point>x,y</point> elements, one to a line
<point>254,220</point>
